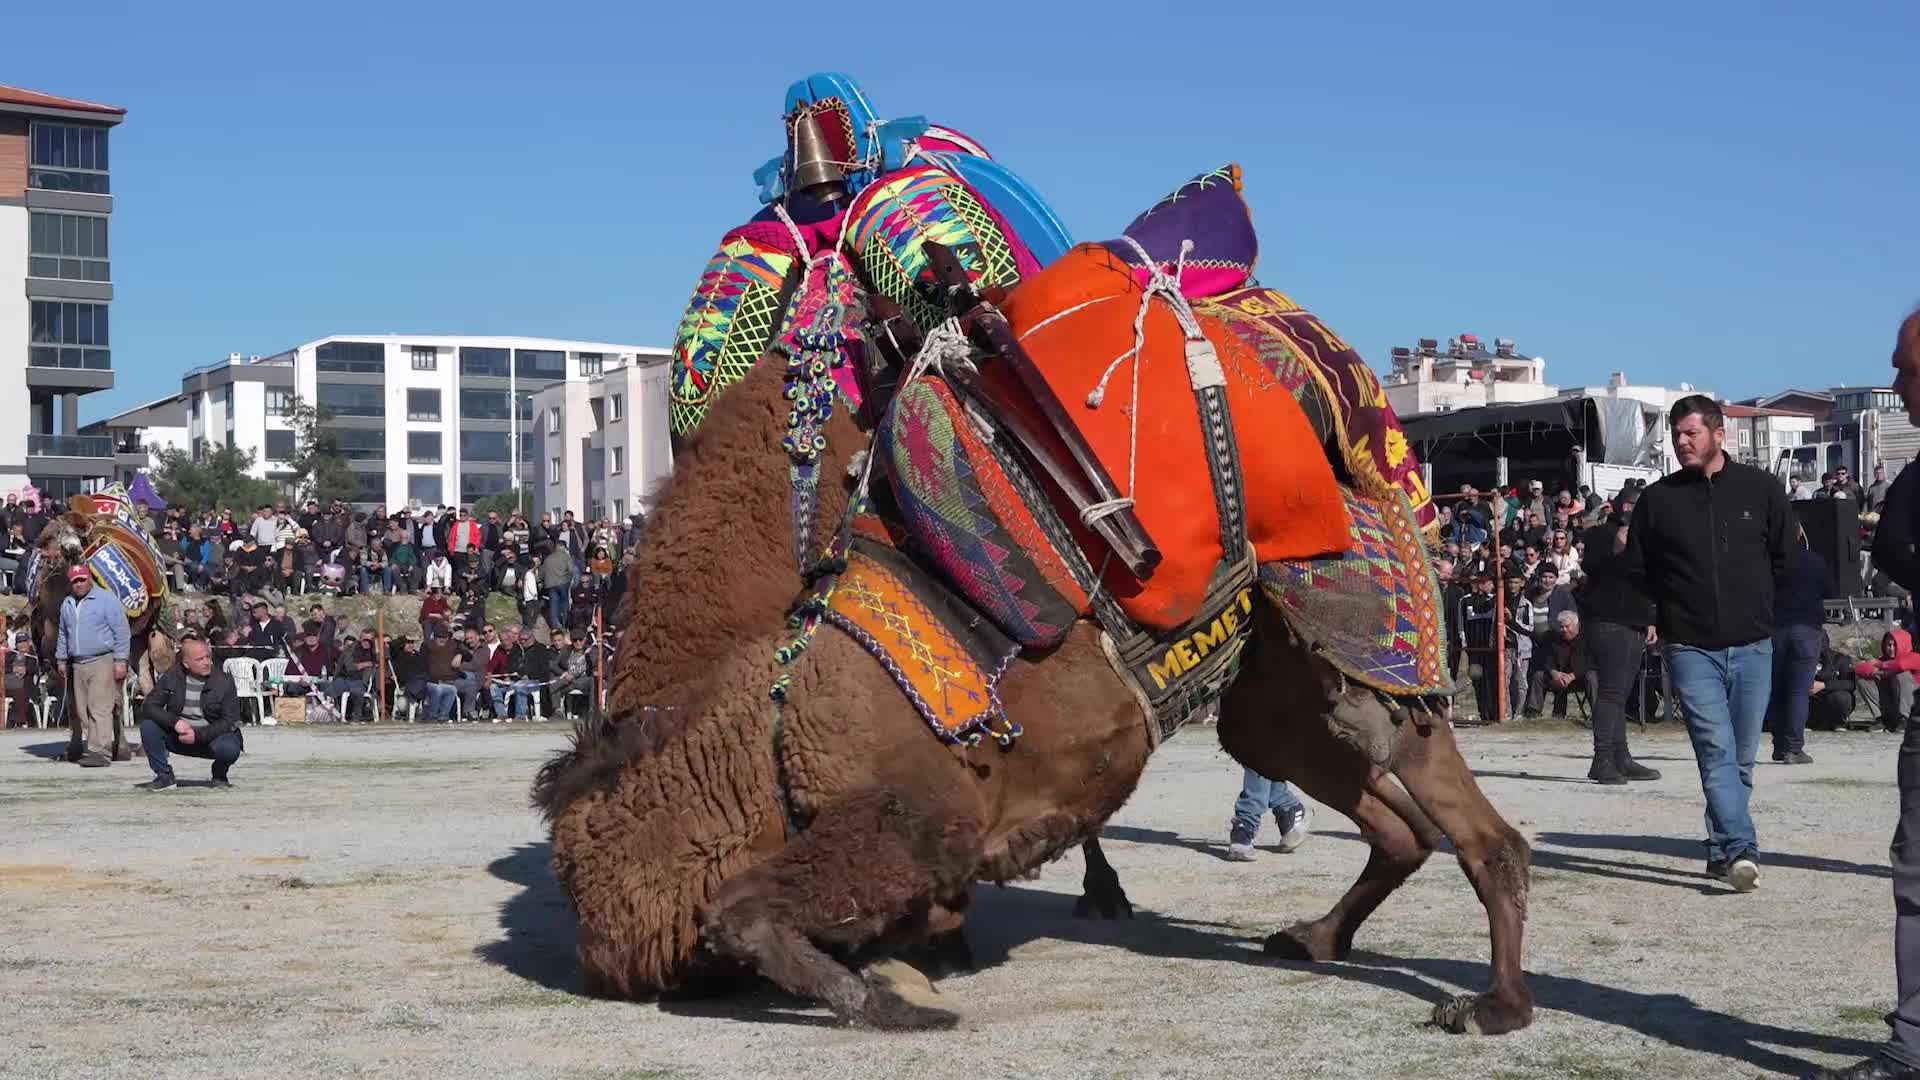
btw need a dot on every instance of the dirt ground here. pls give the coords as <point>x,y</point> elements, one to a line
<point>377,903</point>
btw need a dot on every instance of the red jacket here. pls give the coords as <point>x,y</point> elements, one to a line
<point>1904,658</point>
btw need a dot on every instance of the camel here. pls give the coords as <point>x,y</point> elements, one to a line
<point>150,650</point>
<point>705,832</point>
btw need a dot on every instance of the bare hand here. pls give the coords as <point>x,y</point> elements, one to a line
<point>1652,636</point>
<point>182,728</point>
<point>1816,687</point>
<point>187,735</point>
<point>119,671</point>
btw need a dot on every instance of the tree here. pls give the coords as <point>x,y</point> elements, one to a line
<point>319,468</point>
<point>506,503</point>
<point>221,481</point>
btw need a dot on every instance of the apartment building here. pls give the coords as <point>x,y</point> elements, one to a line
<point>56,287</point>
<point>421,418</point>
<point>602,444</point>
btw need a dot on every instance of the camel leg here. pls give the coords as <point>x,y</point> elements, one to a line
<point>1398,848</point>
<point>1495,858</point>
<point>1100,891</point>
<point>865,868</point>
<point>1337,774</point>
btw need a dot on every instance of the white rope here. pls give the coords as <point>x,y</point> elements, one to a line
<point>799,241</point>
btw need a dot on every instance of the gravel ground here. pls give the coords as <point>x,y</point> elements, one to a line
<point>377,903</point>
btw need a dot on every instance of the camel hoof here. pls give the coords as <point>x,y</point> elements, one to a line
<point>1304,943</point>
<point>899,998</point>
<point>1480,1014</point>
<point>1105,904</point>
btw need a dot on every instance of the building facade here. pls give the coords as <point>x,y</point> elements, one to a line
<point>603,443</point>
<point>141,434</point>
<point>1426,379</point>
<point>423,419</point>
<point>56,287</point>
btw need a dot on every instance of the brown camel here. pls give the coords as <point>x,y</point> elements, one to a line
<point>704,830</point>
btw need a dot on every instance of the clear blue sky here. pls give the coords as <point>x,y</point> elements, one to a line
<point>1716,192</point>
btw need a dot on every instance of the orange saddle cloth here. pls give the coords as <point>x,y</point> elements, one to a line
<point>1076,318</point>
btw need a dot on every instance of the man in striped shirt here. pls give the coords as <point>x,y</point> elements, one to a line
<point>193,710</point>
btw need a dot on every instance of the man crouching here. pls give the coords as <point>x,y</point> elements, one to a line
<point>192,710</point>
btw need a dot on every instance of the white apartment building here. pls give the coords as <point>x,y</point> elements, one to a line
<point>1426,379</point>
<point>140,434</point>
<point>422,418</point>
<point>55,288</point>
<point>603,443</point>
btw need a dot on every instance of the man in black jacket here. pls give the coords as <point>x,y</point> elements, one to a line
<point>1899,1059</point>
<point>1707,544</point>
<point>192,710</point>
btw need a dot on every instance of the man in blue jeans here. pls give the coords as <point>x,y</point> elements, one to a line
<point>194,711</point>
<point>1708,543</point>
<point>1257,796</point>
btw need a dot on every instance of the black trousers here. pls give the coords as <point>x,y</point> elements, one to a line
<point>1614,655</point>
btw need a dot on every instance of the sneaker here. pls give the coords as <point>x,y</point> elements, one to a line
<point>1717,869</point>
<point>1743,874</point>
<point>96,759</point>
<point>158,783</point>
<point>1798,757</point>
<point>221,782</point>
<point>1239,851</point>
<point>1293,827</point>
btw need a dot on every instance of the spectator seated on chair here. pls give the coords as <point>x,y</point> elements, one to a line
<point>1892,676</point>
<point>572,670</point>
<point>1560,667</point>
<point>192,711</point>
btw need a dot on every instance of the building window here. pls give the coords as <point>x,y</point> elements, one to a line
<point>553,420</point>
<point>361,444</point>
<point>492,363</point>
<point>343,399</point>
<point>279,446</point>
<point>424,488</point>
<point>68,157</point>
<point>485,446</point>
<point>279,402</point>
<point>483,405</point>
<point>619,511</point>
<point>423,405</point>
<point>353,357</point>
<point>525,401</point>
<point>591,363</point>
<point>72,247</point>
<point>553,470</point>
<point>423,448</point>
<point>616,460</point>
<point>475,486</point>
<point>546,364</point>
<point>199,451</point>
<point>424,358</point>
<point>614,409</point>
<point>227,399</point>
<point>69,335</point>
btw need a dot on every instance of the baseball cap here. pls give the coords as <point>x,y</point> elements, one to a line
<point>77,573</point>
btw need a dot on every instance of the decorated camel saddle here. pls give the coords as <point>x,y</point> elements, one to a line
<point>1133,430</point>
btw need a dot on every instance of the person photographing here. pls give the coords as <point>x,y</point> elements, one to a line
<point>1707,544</point>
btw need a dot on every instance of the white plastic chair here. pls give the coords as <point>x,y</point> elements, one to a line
<point>245,672</point>
<point>274,670</point>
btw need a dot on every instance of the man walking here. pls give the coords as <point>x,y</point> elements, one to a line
<point>192,710</point>
<point>1899,1059</point>
<point>92,650</point>
<point>1708,543</point>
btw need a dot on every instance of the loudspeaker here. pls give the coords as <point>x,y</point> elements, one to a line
<point>1833,533</point>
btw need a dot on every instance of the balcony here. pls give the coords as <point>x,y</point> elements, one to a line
<point>69,368</point>
<point>73,446</point>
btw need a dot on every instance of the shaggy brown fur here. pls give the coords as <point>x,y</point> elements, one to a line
<point>671,830</point>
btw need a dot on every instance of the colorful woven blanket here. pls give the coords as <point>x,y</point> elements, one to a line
<point>740,301</point>
<point>947,662</point>
<point>891,221</point>
<point>1297,349</point>
<point>1076,320</point>
<point>1373,610</point>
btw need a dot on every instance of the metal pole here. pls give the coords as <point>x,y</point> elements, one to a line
<point>1499,639</point>
<point>599,661</point>
<point>6,642</point>
<point>513,426</point>
<point>380,650</point>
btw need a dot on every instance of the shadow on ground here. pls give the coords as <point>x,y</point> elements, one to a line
<point>1672,848</point>
<point>539,942</point>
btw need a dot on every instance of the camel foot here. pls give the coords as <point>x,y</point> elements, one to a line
<point>1103,904</point>
<point>1307,942</point>
<point>899,998</point>
<point>1481,1014</point>
<point>944,954</point>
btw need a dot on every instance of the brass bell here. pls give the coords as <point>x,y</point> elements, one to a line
<point>814,173</point>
